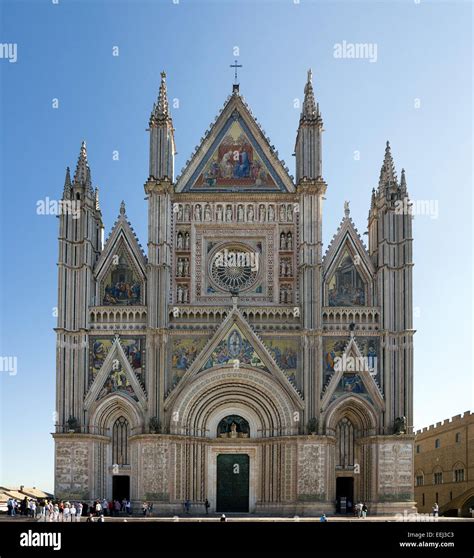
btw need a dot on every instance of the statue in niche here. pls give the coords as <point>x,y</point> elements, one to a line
<point>228,213</point>
<point>289,241</point>
<point>233,426</point>
<point>187,241</point>
<point>185,294</point>
<point>240,213</point>
<point>271,213</point>
<point>186,268</point>
<point>289,212</point>
<point>186,212</point>
<point>207,213</point>
<point>261,213</point>
<point>219,213</point>
<point>250,213</point>
<point>282,213</point>
<point>282,241</point>
<point>180,212</point>
<point>179,294</point>
<point>198,212</point>
<point>179,241</point>
<point>180,267</point>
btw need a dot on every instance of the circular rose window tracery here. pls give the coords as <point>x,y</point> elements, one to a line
<point>234,268</point>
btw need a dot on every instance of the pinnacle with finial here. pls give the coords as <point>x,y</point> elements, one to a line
<point>122,208</point>
<point>161,108</point>
<point>310,111</point>
<point>388,175</point>
<point>67,180</point>
<point>82,175</point>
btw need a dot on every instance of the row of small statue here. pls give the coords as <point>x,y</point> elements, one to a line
<point>286,294</point>
<point>286,269</point>
<point>183,242</point>
<point>286,241</point>
<point>264,213</point>
<point>182,294</point>
<point>182,267</point>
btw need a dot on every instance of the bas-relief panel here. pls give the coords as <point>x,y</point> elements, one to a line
<point>395,468</point>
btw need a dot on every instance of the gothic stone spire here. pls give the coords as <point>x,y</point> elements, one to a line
<point>161,107</point>
<point>388,176</point>
<point>67,184</point>
<point>82,176</point>
<point>310,111</point>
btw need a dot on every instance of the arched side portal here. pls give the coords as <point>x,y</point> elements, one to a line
<point>119,417</point>
<point>350,419</point>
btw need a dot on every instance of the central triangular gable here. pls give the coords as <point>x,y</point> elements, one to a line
<point>235,349</point>
<point>235,344</point>
<point>235,156</point>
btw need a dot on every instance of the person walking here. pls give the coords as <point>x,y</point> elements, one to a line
<point>66,512</point>
<point>117,507</point>
<point>144,509</point>
<point>187,506</point>
<point>78,511</point>
<point>436,509</point>
<point>207,505</point>
<point>98,508</point>
<point>10,506</point>
<point>323,518</point>
<point>105,506</point>
<point>128,507</point>
<point>223,518</point>
<point>73,511</point>
<point>33,508</point>
<point>365,509</point>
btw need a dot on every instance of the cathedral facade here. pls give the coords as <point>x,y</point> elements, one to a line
<point>235,360</point>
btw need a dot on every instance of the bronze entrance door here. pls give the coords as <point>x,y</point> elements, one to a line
<point>232,483</point>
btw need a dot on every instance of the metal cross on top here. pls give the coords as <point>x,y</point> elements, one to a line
<point>235,66</point>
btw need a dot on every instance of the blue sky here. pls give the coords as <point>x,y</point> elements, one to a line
<point>417,94</point>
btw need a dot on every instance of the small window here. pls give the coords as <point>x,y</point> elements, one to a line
<point>418,448</point>
<point>419,480</point>
<point>459,475</point>
<point>458,437</point>
<point>438,479</point>
<point>423,499</point>
<point>437,443</point>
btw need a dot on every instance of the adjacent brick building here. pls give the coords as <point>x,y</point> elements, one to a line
<point>444,466</point>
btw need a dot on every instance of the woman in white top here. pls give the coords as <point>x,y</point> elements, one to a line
<point>66,513</point>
